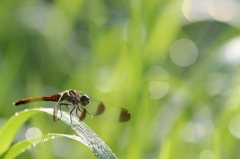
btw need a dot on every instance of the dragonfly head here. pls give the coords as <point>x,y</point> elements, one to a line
<point>84,100</point>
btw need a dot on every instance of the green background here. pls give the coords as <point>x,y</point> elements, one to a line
<point>114,50</point>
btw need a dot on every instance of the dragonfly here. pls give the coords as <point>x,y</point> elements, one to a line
<point>83,104</point>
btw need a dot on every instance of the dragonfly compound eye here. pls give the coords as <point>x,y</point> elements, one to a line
<point>84,100</point>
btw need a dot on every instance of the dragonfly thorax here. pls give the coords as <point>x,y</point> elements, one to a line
<point>71,96</point>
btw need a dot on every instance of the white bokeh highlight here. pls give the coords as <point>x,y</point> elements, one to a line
<point>220,10</point>
<point>33,135</point>
<point>34,16</point>
<point>158,89</point>
<point>223,10</point>
<point>231,52</point>
<point>195,10</point>
<point>206,154</point>
<point>183,52</point>
<point>234,126</point>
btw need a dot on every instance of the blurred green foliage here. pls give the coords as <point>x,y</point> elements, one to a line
<point>119,52</point>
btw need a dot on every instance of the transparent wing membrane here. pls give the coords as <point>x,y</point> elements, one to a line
<point>106,110</point>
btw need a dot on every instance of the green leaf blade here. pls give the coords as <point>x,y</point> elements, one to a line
<point>8,131</point>
<point>21,146</point>
<point>85,135</point>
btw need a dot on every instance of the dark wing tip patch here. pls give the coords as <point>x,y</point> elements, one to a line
<point>100,110</point>
<point>124,116</point>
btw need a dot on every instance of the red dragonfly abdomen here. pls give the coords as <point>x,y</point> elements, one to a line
<point>54,98</point>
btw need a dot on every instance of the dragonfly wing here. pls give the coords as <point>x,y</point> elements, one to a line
<point>106,110</point>
<point>55,112</point>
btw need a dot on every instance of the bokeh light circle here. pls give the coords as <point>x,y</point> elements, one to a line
<point>234,126</point>
<point>230,52</point>
<point>184,52</point>
<point>195,10</point>
<point>206,154</point>
<point>33,135</point>
<point>158,89</point>
<point>223,10</point>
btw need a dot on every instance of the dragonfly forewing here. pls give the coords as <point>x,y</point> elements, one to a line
<point>106,110</point>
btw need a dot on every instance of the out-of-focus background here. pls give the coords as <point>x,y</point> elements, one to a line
<point>174,64</point>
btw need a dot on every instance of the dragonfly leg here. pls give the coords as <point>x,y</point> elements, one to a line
<point>81,111</point>
<point>71,114</point>
<point>78,108</point>
<point>88,113</point>
<point>66,104</point>
<point>60,111</point>
<point>77,111</point>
